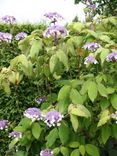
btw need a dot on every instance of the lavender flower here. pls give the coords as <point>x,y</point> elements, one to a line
<point>112,57</point>
<point>55,30</point>
<point>15,134</point>
<point>40,100</point>
<point>53,16</point>
<point>33,113</point>
<point>9,19</point>
<point>90,59</point>
<point>7,37</point>
<point>93,46</point>
<point>20,36</point>
<point>53,118</point>
<point>46,152</point>
<point>3,124</point>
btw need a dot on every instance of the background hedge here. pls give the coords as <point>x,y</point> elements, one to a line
<point>22,97</point>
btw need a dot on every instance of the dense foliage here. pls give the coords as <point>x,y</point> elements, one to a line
<point>76,74</point>
<point>11,107</point>
<point>104,7</point>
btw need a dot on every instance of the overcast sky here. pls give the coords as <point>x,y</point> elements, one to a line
<point>33,10</point>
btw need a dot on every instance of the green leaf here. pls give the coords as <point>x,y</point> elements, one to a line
<point>21,153</point>
<point>25,123</point>
<point>104,117</point>
<point>19,129</point>
<point>104,38</point>
<point>36,130</point>
<point>65,151</point>
<point>75,152</point>
<point>104,54</point>
<point>110,90</point>
<point>84,88</point>
<point>52,136</point>
<point>64,133</point>
<point>75,97</point>
<point>105,133</point>
<point>92,150</point>
<point>26,138</point>
<point>113,20</point>
<point>79,110</point>
<point>82,150</point>
<point>92,91</point>
<point>6,87</point>
<point>13,143</point>
<point>114,131</point>
<point>63,98</point>
<point>74,121</point>
<point>56,151</point>
<point>104,104</point>
<point>35,48</point>
<point>63,58</point>
<point>52,63</point>
<point>64,93</point>
<point>102,90</point>
<point>73,144</point>
<point>113,101</point>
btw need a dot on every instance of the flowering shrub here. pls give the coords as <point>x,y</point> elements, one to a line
<point>79,72</point>
<point>9,19</point>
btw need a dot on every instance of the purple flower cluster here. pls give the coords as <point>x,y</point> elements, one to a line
<point>9,19</point>
<point>46,152</point>
<point>112,57</point>
<point>55,30</point>
<point>90,60</point>
<point>40,100</point>
<point>93,46</point>
<point>15,134</point>
<point>33,113</point>
<point>20,36</point>
<point>53,16</point>
<point>7,37</point>
<point>53,118</point>
<point>3,124</point>
<point>90,4</point>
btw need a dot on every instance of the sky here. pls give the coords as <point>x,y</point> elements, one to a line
<point>32,10</point>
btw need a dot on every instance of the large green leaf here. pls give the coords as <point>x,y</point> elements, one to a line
<point>36,130</point>
<point>52,136</point>
<point>113,100</point>
<point>102,90</point>
<point>92,150</point>
<point>104,54</point>
<point>63,58</point>
<point>25,123</point>
<point>74,121</point>
<point>35,48</point>
<point>64,151</point>
<point>82,149</point>
<point>53,62</point>
<point>75,97</point>
<point>104,117</point>
<point>105,133</point>
<point>92,90</point>
<point>64,93</point>
<point>13,143</point>
<point>75,152</point>
<point>64,133</point>
<point>79,110</point>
